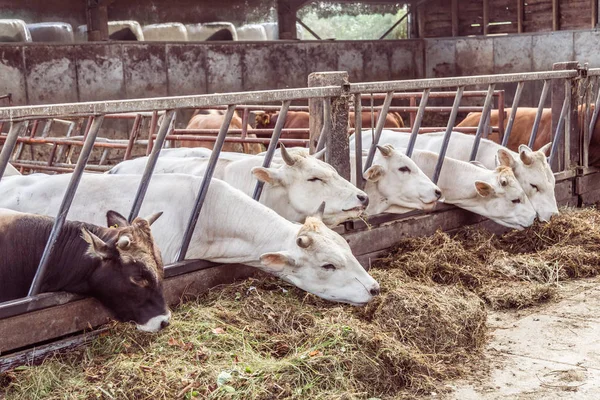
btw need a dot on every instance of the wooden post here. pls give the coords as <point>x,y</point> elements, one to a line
<point>520,6</point>
<point>454,11</point>
<point>594,13</point>
<point>573,142</point>
<point>486,16</point>
<point>286,19</point>
<point>421,22</point>
<point>555,16</point>
<point>337,145</point>
<point>97,20</point>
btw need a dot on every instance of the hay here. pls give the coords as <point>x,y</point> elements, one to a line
<point>263,340</point>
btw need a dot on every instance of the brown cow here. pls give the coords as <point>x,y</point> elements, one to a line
<point>214,120</point>
<point>300,119</point>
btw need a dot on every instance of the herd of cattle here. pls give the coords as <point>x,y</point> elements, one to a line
<point>288,233</point>
<point>16,30</point>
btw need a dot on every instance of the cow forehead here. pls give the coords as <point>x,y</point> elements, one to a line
<point>142,249</point>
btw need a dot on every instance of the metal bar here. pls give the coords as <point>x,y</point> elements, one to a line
<point>272,146</point>
<point>538,115</point>
<point>559,127</point>
<point>487,105</point>
<point>16,129</point>
<point>308,29</point>
<point>418,121</point>
<point>160,139</point>
<point>500,115</point>
<point>65,205</point>
<point>360,182</point>
<point>394,26</point>
<point>61,149</point>
<point>380,123</point>
<point>451,120</point>
<point>325,131</point>
<point>595,114</point>
<point>132,136</point>
<point>212,164</point>
<point>420,84</point>
<point>513,113</point>
<point>151,130</point>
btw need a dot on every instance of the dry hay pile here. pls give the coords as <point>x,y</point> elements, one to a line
<point>515,270</point>
<point>261,339</point>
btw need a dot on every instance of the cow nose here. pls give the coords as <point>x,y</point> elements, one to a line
<point>438,193</point>
<point>363,198</point>
<point>164,324</point>
<point>374,290</point>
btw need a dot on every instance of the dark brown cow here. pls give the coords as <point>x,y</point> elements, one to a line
<point>300,119</point>
<point>121,266</point>
<point>213,119</point>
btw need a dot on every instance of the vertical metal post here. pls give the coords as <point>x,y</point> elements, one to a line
<point>360,181</point>
<point>538,115</point>
<point>160,139</point>
<point>451,121</point>
<point>487,105</point>
<point>513,113</point>
<point>596,111</point>
<point>133,136</point>
<point>212,163</point>
<point>272,146</point>
<point>559,127</point>
<point>418,121</point>
<point>16,129</point>
<point>84,155</point>
<point>326,129</point>
<point>380,123</point>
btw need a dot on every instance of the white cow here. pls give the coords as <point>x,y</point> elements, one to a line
<point>166,32</point>
<point>232,227</point>
<point>530,167</point>
<point>295,184</point>
<point>10,171</point>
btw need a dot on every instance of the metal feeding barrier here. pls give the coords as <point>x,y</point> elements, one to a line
<point>329,107</point>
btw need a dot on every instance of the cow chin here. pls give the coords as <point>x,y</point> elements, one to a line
<point>155,324</point>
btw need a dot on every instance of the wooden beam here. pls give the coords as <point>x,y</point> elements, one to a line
<point>97,20</point>
<point>555,16</point>
<point>520,6</point>
<point>286,19</point>
<point>594,13</point>
<point>486,16</point>
<point>454,11</point>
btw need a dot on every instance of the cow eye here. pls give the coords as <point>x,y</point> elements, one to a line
<point>404,169</point>
<point>516,201</point>
<point>535,187</point>
<point>329,267</point>
<point>315,180</point>
<point>139,281</point>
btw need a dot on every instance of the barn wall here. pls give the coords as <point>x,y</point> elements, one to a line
<point>43,73</point>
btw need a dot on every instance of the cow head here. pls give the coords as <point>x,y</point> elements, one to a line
<point>307,181</point>
<point>502,199</point>
<point>129,277</point>
<point>263,119</point>
<point>320,261</point>
<point>535,176</point>
<point>400,184</point>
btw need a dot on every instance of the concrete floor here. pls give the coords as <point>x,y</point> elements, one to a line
<point>551,352</point>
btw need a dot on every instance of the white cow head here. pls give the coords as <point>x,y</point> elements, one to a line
<point>503,200</point>
<point>535,176</point>
<point>308,181</point>
<point>400,184</point>
<point>321,262</point>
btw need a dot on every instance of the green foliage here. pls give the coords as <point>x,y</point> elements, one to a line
<point>342,22</point>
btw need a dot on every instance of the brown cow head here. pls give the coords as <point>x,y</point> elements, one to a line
<point>263,120</point>
<point>129,278</point>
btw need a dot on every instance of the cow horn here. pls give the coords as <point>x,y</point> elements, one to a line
<point>123,242</point>
<point>320,211</point>
<point>303,241</point>
<point>319,154</point>
<point>386,150</point>
<point>287,158</point>
<point>151,219</point>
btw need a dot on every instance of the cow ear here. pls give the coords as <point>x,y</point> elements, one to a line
<point>526,154</point>
<point>275,262</point>
<point>505,158</point>
<point>97,247</point>
<point>484,189</point>
<point>375,173</point>
<point>116,220</point>
<point>545,149</point>
<point>266,175</point>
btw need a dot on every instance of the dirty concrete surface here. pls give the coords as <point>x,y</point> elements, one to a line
<point>551,352</point>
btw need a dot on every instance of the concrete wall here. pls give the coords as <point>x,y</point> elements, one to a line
<point>43,73</point>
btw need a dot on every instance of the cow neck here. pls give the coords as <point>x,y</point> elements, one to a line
<point>70,266</point>
<point>378,203</point>
<point>455,188</point>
